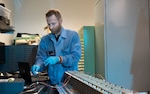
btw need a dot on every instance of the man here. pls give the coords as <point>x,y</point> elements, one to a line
<point>59,50</point>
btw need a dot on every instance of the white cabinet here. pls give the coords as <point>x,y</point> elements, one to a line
<point>123,43</point>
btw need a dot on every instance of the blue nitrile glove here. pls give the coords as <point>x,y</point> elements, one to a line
<point>51,60</point>
<point>35,69</point>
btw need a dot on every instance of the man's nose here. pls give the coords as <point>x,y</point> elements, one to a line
<point>51,27</point>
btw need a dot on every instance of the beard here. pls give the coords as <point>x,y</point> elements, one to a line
<point>56,30</point>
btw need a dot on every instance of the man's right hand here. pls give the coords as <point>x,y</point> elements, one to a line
<point>35,69</point>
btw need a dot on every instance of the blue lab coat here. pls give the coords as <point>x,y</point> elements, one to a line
<point>68,47</point>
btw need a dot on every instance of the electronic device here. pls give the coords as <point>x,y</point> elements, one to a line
<point>24,71</point>
<point>82,83</point>
<point>2,53</point>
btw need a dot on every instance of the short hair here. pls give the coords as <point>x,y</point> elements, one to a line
<point>54,12</point>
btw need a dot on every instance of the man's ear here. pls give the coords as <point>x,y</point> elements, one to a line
<point>61,20</point>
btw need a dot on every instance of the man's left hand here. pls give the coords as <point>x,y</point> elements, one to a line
<point>51,60</point>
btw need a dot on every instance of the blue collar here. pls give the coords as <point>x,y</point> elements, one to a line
<point>63,34</point>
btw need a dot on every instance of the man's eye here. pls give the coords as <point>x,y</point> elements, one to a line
<point>53,23</point>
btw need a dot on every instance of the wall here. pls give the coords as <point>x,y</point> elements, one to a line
<point>99,37</point>
<point>29,15</point>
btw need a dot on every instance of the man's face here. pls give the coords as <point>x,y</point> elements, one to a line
<point>54,24</point>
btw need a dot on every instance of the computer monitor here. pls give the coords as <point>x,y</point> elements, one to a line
<point>2,54</point>
<point>24,70</point>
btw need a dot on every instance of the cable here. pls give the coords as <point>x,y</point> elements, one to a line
<point>66,81</point>
<point>99,76</point>
<point>33,86</point>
